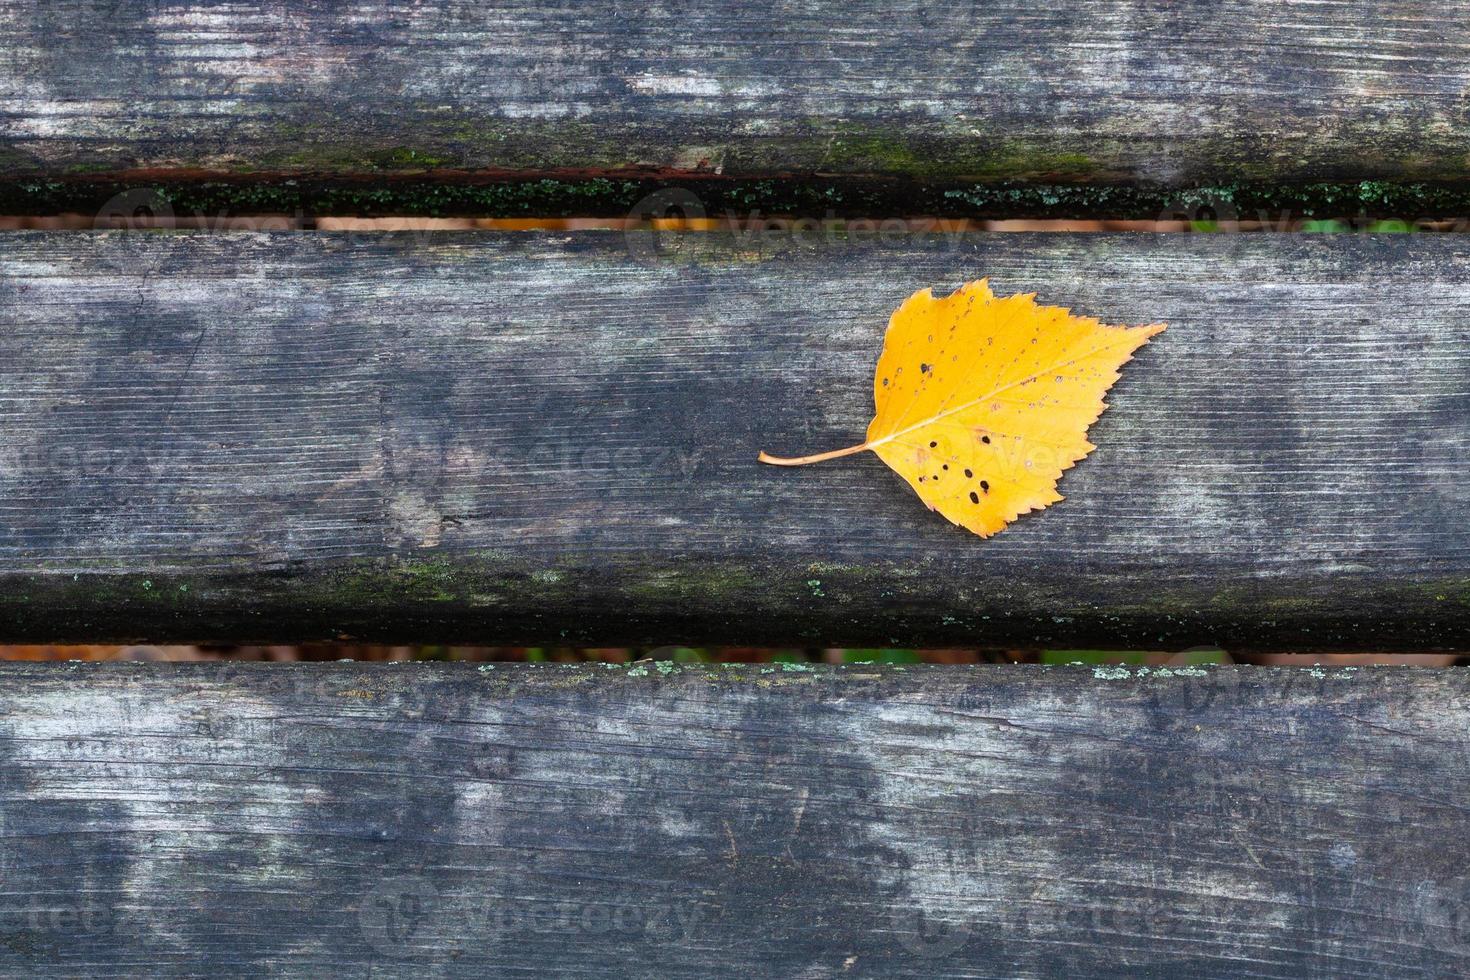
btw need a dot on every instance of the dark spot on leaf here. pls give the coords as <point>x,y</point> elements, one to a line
<point>968,474</point>
<point>974,498</point>
<point>985,439</point>
<point>924,368</point>
<point>985,485</point>
<point>933,444</point>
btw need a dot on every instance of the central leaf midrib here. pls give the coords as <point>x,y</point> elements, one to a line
<point>991,394</point>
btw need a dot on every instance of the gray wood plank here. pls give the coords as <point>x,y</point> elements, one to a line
<point>438,821</point>
<point>1088,89</point>
<point>553,438</point>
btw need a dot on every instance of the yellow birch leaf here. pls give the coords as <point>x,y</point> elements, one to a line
<point>983,401</point>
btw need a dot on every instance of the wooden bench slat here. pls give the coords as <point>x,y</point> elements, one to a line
<point>750,821</point>
<point>1090,89</point>
<point>549,437</point>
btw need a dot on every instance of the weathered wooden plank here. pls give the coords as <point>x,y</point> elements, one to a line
<point>451,821</point>
<point>1089,89</point>
<point>554,438</point>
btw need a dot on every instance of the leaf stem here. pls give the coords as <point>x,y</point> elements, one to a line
<point>816,458</point>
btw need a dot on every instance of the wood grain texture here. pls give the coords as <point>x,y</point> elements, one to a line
<point>553,438</point>
<point>441,821</point>
<point>1089,89</point>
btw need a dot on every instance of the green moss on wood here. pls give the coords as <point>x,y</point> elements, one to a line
<point>618,195</point>
<point>443,598</point>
